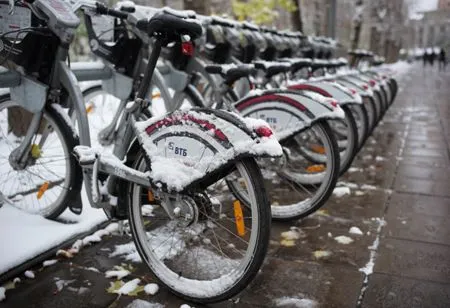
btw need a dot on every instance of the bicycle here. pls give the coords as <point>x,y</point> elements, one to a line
<point>170,172</point>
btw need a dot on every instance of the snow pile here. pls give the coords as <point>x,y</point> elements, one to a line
<point>151,288</point>
<point>2,293</point>
<point>49,263</point>
<point>118,273</point>
<point>355,230</point>
<point>342,239</point>
<point>128,287</point>
<point>29,274</point>
<point>29,235</point>
<point>399,68</point>
<point>139,303</point>
<point>341,191</point>
<point>295,302</point>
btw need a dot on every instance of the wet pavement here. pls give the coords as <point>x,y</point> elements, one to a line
<point>400,200</point>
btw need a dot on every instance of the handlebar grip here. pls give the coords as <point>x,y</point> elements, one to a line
<point>104,10</point>
<point>128,9</point>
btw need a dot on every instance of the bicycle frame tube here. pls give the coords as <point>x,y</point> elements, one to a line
<point>66,77</point>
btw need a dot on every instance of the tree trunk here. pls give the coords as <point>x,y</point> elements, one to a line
<point>199,6</point>
<point>296,17</point>
<point>357,24</point>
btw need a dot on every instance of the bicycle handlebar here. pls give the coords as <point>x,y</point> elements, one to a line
<point>102,9</point>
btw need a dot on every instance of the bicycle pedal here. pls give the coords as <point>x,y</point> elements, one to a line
<point>85,155</point>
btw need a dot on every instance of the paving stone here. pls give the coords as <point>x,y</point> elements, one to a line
<point>414,259</point>
<point>427,173</point>
<point>397,292</point>
<point>302,280</point>
<point>426,144</point>
<point>420,186</point>
<point>441,153</point>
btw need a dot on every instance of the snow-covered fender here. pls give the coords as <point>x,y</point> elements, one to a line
<point>287,112</point>
<point>186,145</point>
<point>329,89</point>
<point>359,87</point>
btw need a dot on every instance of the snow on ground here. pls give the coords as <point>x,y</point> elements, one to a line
<point>400,67</point>
<point>151,288</point>
<point>295,302</point>
<point>342,239</point>
<point>355,230</point>
<point>29,235</point>
<point>129,287</point>
<point>341,191</point>
<point>139,303</point>
<point>2,294</point>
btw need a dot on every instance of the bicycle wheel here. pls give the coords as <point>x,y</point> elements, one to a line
<point>298,185</point>
<point>359,112</point>
<point>215,245</point>
<point>346,134</point>
<point>51,177</point>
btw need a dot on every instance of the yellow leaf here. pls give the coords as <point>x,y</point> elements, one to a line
<point>114,286</point>
<point>287,243</point>
<point>319,254</point>
<point>9,285</point>
<point>323,212</point>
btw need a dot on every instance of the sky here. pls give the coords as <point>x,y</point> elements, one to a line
<point>424,5</point>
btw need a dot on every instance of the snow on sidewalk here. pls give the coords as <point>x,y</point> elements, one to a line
<point>24,236</point>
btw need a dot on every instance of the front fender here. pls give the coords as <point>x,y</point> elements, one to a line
<point>287,112</point>
<point>185,146</point>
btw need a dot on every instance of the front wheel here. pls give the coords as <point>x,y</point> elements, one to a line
<point>213,245</point>
<point>51,177</point>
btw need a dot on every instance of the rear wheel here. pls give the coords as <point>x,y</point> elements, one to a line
<point>215,245</point>
<point>362,122</point>
<point>300,184</point>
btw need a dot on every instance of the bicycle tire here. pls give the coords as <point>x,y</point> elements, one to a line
<point>165,275</point>
<point>73,178</point>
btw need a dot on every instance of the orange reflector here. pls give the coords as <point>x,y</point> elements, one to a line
<point>42,190</point>
<point>156,95</point>
<point>150,196</point>
<point>318,149</point>
<point>239,218</point>
<point>89,108</point>
<point>315,168</point>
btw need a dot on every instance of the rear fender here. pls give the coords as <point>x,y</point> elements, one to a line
<point>287,112</point>
<point>330,89</point>
<point>360,87</point>
<point>185,146</point>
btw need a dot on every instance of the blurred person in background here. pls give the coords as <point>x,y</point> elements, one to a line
<point>442,60</point>
<point>432,57</point>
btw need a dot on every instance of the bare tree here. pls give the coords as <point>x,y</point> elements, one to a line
<point>357,24</point>
<point>296,17</point>
<point>199,6</point>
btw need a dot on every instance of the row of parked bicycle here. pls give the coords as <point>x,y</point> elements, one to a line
<point>252,130</point>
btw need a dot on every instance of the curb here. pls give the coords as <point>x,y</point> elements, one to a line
<point>50,253</point>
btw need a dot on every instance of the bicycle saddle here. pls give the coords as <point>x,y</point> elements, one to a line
<point>297,63</point>
<point>231,72</point>
<point>170,26</point>
<point>272,68</point>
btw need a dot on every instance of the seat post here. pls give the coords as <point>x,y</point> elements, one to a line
<point>152,60</point>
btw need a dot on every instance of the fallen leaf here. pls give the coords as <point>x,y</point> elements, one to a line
<point>319,254</point>
<point>114,286</point>
<point>287,243</point>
